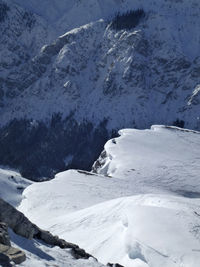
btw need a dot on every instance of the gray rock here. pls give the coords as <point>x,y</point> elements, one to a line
<point>7,252</point>
<point>50,239</point>
<point>17,221</point>
<point>14,254</point>
<point>4,237</point>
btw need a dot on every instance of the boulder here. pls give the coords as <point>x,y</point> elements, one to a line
<point>13,254</point>
<point>7,252</point>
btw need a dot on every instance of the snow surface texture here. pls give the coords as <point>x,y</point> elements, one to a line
<point>12,186</point>
<point>41,255</point>
<point>37,253</point>
<point>169,155</point>
<point>144,212</point>
<point>133,78</point>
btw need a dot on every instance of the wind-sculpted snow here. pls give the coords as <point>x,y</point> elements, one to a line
<point>165,157</point>
<point>38,253</point>
<point>145,230</point>
<point>11,186</point>
<point>141,209</point>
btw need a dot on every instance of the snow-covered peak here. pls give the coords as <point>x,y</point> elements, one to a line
<point>167,157</point>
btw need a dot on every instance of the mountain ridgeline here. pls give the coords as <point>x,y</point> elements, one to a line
<point>68,85</point>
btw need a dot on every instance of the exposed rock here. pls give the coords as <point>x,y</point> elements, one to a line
<point>7,252</point>
<point>4,237</point>
<point>50,239</point>
<point>114,265</point>
<point>16,220</point>
<point>79,253</point>
<point>99,162</point>
<point>4,260</point>
<point>23,227</point>
<point>14,254</point>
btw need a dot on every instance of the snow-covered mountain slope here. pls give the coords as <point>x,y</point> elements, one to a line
<point>145,230</point>
<point>71,191</point>
<point>167,157</point>
<point>22,36</point>
<point>95,75</point>
<point>153,213</point>
<point>37,253</point>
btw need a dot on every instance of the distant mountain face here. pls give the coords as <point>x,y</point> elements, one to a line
<point>62,97</point>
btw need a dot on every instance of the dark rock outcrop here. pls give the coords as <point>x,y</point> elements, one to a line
<point>4,260</point>
<point>4,237</point>
<point>7,252</point>
<point>50,239</point>
<point>13,254</point>
<point>114,265</point>
<point>16,220</point>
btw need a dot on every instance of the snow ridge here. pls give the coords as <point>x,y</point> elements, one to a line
<point>144,210</point>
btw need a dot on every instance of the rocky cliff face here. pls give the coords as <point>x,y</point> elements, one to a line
<point>94,79</point>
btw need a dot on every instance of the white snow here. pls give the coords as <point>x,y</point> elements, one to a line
<point>138,217</point>
<point>37,253</point>
<point>153,230</point>
<point>12,186</point>
<point>142,208</point>
<point>166,157</point>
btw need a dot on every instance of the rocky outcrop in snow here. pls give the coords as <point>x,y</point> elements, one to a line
<point>16,220</point>
<point>4,237</point>
<point>7,252</point>
<point>23,227</point>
